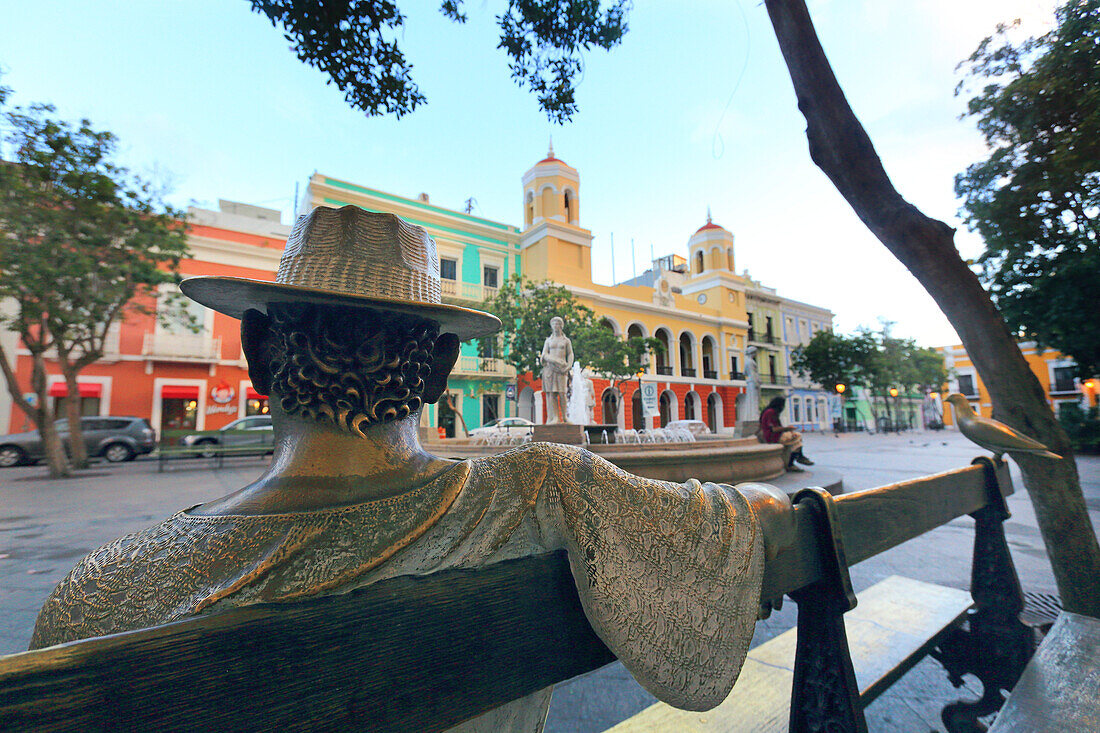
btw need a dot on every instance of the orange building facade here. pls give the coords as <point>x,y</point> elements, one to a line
<point>171,375</point>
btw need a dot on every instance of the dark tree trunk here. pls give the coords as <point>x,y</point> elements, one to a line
<point>78,451</point>
<point>841,148</point>
<point>39,413</point>
<point>56,461</point>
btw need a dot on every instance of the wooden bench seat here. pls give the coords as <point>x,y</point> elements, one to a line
<point>425,653</point>
<point>1059,691</point>
<point>895,625</point>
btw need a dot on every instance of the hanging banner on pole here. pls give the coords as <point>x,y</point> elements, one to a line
<point>650,408</point>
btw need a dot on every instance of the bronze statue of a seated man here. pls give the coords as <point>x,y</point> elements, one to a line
<point>351,342</point>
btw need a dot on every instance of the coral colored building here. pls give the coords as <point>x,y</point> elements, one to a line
<point>168,374</point>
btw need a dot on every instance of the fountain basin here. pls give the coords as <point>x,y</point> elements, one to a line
<point>720,460</point>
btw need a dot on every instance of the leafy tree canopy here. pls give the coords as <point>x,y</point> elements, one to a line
<point>830,359</point>
<point>354,43</point>
<point>83,241</point>
<point>1036,199</point>
<point>525,308</point>
<point>874,360</point>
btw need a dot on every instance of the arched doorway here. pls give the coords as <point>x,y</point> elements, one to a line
<point>637,421</point>
<point>609,405</point>
<point>687,355</point>
<point>691,406</point>
<point>714,412</point>
<point>668,409</point>
<point>525,404</point>
<point>664,353</point>
<point>710,363</point>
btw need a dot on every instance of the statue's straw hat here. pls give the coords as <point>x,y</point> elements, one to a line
<point>350,257</point>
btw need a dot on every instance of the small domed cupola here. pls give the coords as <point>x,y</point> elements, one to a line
<point>710,248</point>
<point>551,190</point>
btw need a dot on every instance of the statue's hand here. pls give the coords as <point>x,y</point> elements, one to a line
<point>776,516</point>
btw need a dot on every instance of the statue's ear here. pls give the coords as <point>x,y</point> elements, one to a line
<point>255,342</point>
<point>444,357</point>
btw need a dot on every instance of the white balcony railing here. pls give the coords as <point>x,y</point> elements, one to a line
<point>484,367</point>
<point>182,347</point>
<point>472,292</point>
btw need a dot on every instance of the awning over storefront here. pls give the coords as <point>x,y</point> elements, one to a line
<point>86,389</point>
<point>176,392</point>
<point>252,394</point>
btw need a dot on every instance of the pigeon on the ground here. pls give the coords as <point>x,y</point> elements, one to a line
<point>992,435</point>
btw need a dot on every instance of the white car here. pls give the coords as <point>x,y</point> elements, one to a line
<point>506,425</point>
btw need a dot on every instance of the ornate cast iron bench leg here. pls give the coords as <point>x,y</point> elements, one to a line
<point>825,696</point>
<point>993,644</point>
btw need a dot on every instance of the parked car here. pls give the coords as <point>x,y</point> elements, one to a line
<point>116,439</point>
<point>509,425</point>
<point>255,431</point>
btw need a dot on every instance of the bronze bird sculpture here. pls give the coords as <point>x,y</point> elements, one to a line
<point>992,435</point>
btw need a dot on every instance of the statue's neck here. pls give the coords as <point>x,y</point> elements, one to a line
<point>316,466</point>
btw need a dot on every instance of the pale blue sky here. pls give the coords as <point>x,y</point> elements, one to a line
<point>208,94</point>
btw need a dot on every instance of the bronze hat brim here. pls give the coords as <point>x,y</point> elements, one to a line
<point>235,295</point>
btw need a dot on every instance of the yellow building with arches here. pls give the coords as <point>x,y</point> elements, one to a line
<point>708,317</point>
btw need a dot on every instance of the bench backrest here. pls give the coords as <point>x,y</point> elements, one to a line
<point>414,653</point>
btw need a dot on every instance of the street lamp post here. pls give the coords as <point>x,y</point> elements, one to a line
<point>897,415</point>
<point>937,416</point>
<point>842,423</point>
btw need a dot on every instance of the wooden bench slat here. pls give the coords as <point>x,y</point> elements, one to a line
<point>488,636</point>
<point>895,624</point>
<point>875,520</point>
<point>1059,691</point>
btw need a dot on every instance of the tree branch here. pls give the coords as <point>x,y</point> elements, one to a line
<point>842,149</point>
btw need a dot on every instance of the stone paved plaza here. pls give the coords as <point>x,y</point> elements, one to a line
<point>47,525</point>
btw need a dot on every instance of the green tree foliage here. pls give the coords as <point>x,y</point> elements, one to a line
<point>1083,426</point>
<point>525,308</point>
<point>1036,199</point>
<point>85,242</point>
<point>830,359</point>
<point>873,360</point>
<point>354,43</point>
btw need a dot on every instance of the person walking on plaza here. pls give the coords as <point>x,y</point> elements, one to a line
<point>773,431</point>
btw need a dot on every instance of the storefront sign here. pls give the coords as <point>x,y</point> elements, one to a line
<point>650,408</point>
<point>219,409</point>
<point>222,394</point>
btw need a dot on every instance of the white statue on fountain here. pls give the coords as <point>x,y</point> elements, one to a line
<point>556,356</point>
<point>750,409</point>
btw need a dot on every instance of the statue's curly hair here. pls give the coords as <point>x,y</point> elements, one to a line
<point>349,367</point>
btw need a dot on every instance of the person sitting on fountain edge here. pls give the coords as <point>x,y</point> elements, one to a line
<point>773,431</point>
<point>350,342</point>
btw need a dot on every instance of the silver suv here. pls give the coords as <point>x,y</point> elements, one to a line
<point>116,439</point>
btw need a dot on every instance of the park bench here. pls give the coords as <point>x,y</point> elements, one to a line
<point>170,448</point>
<point>424,653</point>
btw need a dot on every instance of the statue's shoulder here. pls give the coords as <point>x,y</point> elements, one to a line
<point>76,608</point>
<point>556,456</point>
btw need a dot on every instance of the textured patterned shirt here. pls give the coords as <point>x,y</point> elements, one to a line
<point>669,575</point>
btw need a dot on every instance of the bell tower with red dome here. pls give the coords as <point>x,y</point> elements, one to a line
<point>554,244</point>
